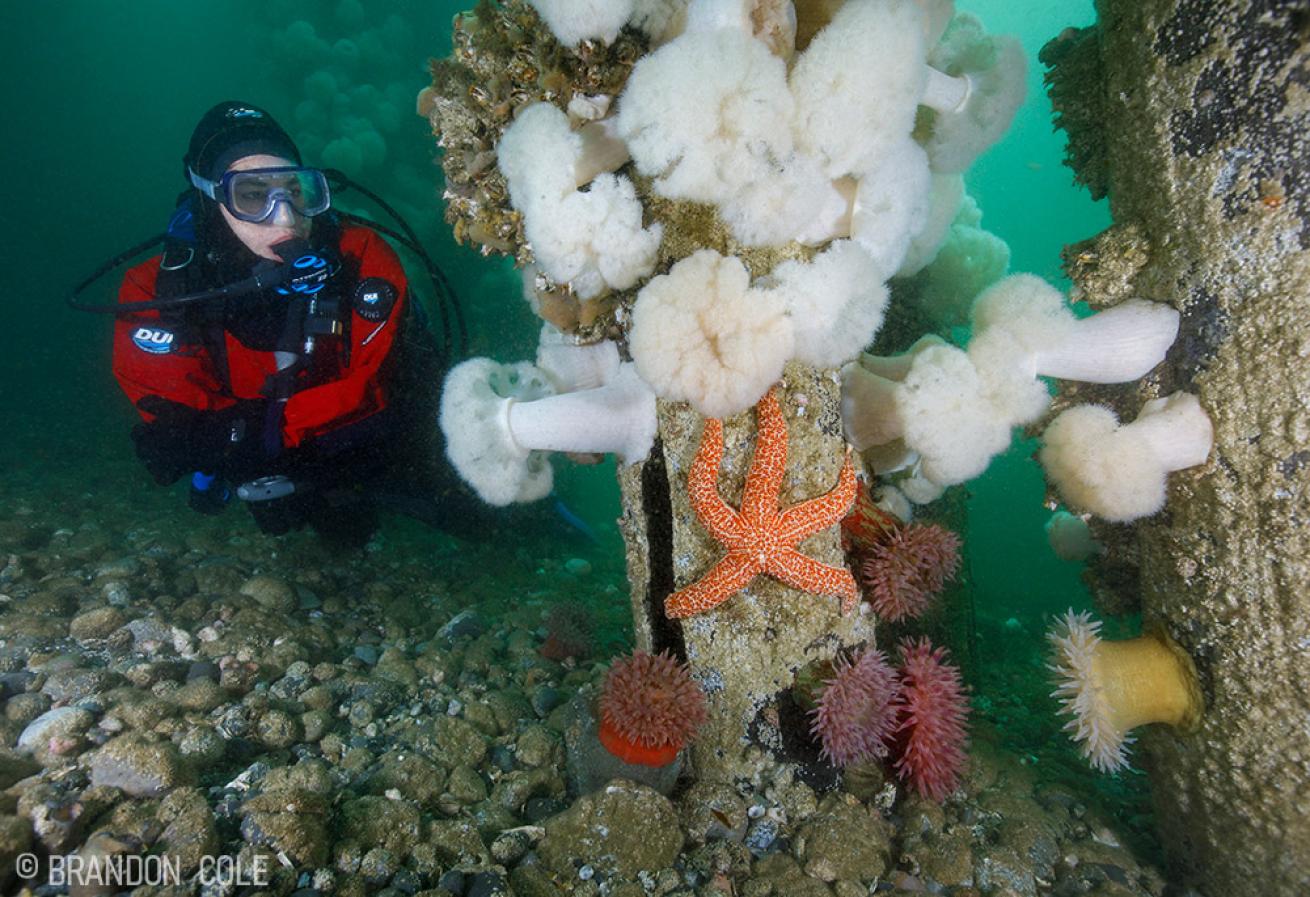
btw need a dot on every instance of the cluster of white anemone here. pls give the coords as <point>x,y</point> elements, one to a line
<point>357,95</point>
<point>816,147</point>
<point>945,411</point>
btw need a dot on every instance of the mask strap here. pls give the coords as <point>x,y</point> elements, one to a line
<point>209,188</point>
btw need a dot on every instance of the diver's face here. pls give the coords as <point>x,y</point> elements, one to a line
<point>261,236</point>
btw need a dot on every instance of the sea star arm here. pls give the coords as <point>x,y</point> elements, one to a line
<point>724,579</point>
<point>809,517</point>
<point>809,575</point>
<point>717,516</point>
<point>759,500</point>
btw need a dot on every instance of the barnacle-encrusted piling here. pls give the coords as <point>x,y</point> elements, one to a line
<point>1195,118</point>
<point>505,59</point>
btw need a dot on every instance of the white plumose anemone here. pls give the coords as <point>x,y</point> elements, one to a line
<point>499,420</point>
<point>593,240</point>
<point>836,302</point>
<point>707,114</point>
<point>1120,472</point>
<point>968,260</point>
<point>985,75</point>
<point>1024,329</point>
<point>855,99</point>
<point>573,21</point>
<point>933,401</point>
<point>474,416</point>
<point>702,334</point>
<point>1070,537</point>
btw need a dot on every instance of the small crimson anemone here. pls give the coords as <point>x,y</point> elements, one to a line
<point>856,715</point>
<point>903,573</point>
<point>1109,688</point>
<point>933,711</point>
<point>649,708</point>
<point>568,631</point>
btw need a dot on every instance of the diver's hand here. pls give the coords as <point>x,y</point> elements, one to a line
<point>182,439</point>
<point>161,444</point>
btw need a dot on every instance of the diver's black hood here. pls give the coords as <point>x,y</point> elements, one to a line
<point>230,131</point>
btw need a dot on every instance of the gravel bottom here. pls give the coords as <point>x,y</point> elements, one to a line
<point>384,722</point>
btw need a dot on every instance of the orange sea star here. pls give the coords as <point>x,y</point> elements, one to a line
<point>761,538</point>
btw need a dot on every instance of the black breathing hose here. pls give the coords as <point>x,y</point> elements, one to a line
<point>448,304</point>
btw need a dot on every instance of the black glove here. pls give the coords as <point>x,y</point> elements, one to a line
<point>162,446</point>
<point>182,439</point>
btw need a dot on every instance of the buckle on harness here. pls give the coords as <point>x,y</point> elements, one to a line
<point>168,264</point>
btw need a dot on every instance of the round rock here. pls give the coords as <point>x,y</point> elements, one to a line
<point>620,830</point>
<point>271,594</point>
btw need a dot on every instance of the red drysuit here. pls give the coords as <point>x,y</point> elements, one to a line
<point>342,383</point>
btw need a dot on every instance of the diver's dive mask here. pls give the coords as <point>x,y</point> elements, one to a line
<point>253,195</point>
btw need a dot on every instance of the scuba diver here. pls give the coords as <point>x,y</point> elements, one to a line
<point>274,349</point>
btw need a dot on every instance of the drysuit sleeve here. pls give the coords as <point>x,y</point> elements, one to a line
<point>377,306</point>
<point>150,358</point>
